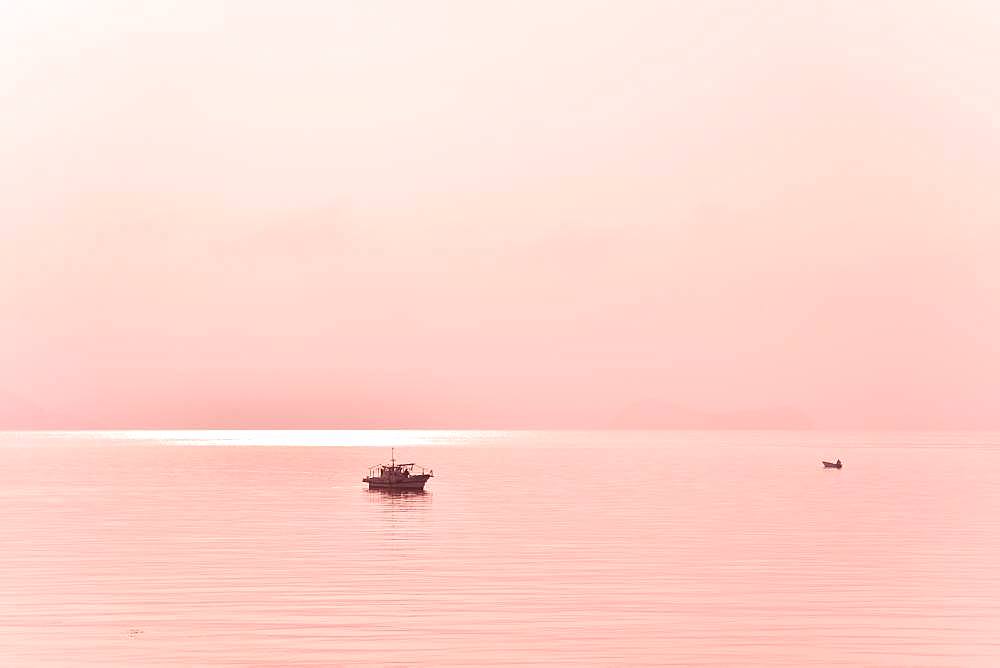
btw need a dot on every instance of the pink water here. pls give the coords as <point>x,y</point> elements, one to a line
<point>600,548</point>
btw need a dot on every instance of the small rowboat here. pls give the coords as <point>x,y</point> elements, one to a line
<point>833,465</point>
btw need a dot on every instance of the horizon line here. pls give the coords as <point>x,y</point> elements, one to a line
<point>494,429</point>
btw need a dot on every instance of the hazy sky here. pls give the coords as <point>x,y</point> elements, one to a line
<point>521,214</point>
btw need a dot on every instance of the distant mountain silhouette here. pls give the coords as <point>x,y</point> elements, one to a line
<point>653,414</point>
<point>18,412</point>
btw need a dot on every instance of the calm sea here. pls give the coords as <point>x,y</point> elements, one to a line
<point>528,548</point>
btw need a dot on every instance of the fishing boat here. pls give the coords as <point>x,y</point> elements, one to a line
<point>395,476</point>
<point>832,465</point>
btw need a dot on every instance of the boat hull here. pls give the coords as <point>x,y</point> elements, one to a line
<point>411,482</point>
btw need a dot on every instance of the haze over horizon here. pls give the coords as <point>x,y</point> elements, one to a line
<point>456,214</point>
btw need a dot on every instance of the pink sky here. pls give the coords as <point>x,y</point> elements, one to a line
<point>469,214</point>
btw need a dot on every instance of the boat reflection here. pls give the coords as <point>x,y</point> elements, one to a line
<point>401,499</point>
<point>382,491</point>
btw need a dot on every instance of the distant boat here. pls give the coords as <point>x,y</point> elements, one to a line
<point>832,465</point>
<point>397,476</point>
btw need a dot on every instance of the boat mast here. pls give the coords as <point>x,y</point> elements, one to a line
<point>394,457</point>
